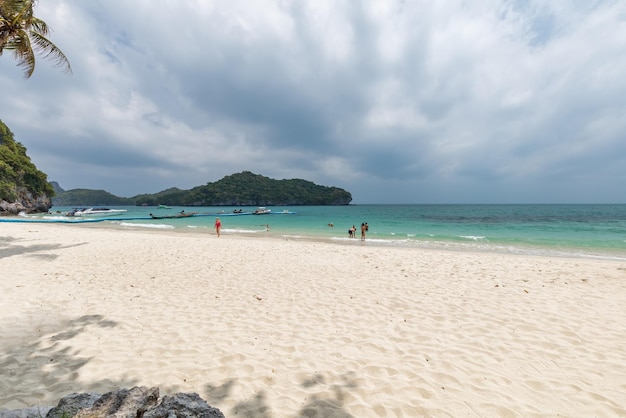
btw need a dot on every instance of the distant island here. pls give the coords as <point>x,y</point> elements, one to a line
<point>240,189</point>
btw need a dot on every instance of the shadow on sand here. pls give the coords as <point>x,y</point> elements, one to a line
<point>327,401</point>
<point>40,368</point>
<point>10,248</point>
<point>34,365</point>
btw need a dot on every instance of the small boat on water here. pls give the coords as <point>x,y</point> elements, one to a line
<point>261,210</point>
<point>95,212</point>
<point>178,215</point>
<point>163,207</point>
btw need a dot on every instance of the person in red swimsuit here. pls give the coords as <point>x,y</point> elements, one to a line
<point>218,226</point>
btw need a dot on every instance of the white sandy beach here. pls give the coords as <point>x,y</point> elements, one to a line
<point>264,327</point>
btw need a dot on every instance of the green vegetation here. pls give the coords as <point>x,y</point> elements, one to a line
<point>17,170</point>
<point>241,189</point>
<point>249,189</point>
<point>87,197</point>
<point>23,33</point>
<point>168,195</point>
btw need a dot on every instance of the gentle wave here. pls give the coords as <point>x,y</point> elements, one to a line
<point>473,237</point>
<point>153,226</point>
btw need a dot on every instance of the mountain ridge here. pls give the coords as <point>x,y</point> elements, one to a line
<point>239,189</point>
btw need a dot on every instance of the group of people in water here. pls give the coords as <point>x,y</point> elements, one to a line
<point>351,231</point>
<point>364,229</point>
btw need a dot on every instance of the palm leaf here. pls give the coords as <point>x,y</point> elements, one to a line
<point>20,44</point>
<point>20,32</point>
<point>51,52</point>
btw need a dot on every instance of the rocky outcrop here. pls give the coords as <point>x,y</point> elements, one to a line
<point>70,405</point>
<point>122,403</point>
<point>183,405</point>
<point>25,202</point>
<point>138,402</point>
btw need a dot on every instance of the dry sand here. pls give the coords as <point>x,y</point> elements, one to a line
<point>266,327</point>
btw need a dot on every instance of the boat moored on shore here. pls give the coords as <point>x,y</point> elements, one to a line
<point>182,214</point>
<point>95,212</point>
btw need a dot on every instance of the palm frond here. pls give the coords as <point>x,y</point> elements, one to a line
<point>39,26</point>
<point>23,51</point>
<point>51,52</point>
<point>21,31</point>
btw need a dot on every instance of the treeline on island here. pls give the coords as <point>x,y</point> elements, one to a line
<point>87,197</point>
<point>249,189</point>
<point>240,189</point>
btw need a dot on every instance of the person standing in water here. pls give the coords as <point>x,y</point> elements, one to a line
<point>218,226</point>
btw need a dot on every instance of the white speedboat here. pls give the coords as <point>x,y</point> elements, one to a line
<point>95,212</point>
<point>261,210</point>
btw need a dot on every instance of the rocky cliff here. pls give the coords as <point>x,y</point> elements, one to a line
<point>25,202</point>
<point>22,186</point>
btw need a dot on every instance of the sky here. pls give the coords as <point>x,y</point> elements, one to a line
<point>451,101</point>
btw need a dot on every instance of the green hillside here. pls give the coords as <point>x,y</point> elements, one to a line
<point>249,189</point>
<point>88,197</point>
<point>17,172</point>
<point>241,189</point>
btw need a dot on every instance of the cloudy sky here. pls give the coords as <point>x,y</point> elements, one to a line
<point>452,101</point>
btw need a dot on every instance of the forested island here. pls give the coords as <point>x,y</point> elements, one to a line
<point>240,189</point>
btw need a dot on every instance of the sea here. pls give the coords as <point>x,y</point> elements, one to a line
<point>560,230</point>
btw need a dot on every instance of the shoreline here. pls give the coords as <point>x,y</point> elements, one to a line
<point>478,246</point>
<point>432,245</point>
<point>280,326</point>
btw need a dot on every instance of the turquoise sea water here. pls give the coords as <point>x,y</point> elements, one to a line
<point>559,230</point>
